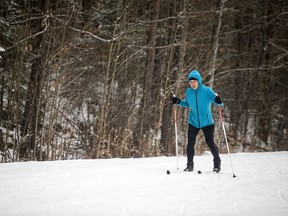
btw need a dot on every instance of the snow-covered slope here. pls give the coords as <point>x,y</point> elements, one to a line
<point>142,187</point>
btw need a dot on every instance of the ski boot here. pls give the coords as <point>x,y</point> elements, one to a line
<point>217,166</point>
<point>190,167</point>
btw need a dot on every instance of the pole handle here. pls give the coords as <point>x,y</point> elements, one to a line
<point>220,113</point>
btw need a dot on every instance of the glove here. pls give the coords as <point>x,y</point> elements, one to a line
<point>175,100</point>
<point>217,99</point>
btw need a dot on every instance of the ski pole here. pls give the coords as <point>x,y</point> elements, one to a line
<point>226,141</point>
<point>176,135</point>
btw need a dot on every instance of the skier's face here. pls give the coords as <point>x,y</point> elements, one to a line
<point>194,84</point>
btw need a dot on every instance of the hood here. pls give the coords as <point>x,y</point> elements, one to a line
<point>195,74</point>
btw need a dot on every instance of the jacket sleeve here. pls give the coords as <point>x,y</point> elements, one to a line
<point>184,103</point>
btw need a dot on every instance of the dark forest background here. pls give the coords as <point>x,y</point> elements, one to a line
<point>92,78</point>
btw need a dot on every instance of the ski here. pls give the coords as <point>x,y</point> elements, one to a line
<point>199,172</point>
<point>179,171</point>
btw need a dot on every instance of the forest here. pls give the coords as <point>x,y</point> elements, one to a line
<point>85,79</point>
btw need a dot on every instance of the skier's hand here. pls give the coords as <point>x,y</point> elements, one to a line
<point>175,100</point>
<point>217,99</point>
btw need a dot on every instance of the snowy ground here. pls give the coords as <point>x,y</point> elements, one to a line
<point>135,187</point>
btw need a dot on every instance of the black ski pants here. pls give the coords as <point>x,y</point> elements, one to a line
<point>209,138</point>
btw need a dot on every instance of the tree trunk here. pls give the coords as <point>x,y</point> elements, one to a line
<point>146,100</point>
<point>220,6</point>
<point>31,118</point>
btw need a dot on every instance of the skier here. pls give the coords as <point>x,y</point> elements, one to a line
<point>199,98</point>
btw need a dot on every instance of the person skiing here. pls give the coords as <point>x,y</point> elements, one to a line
<point>199,99</point>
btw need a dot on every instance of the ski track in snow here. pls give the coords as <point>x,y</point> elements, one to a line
<point>136,187</point>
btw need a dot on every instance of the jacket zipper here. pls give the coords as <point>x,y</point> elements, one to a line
<point>197,109</point>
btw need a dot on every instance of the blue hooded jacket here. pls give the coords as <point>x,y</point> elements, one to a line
<point>199,101</point>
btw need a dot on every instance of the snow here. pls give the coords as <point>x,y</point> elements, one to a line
<point>138,187</point>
